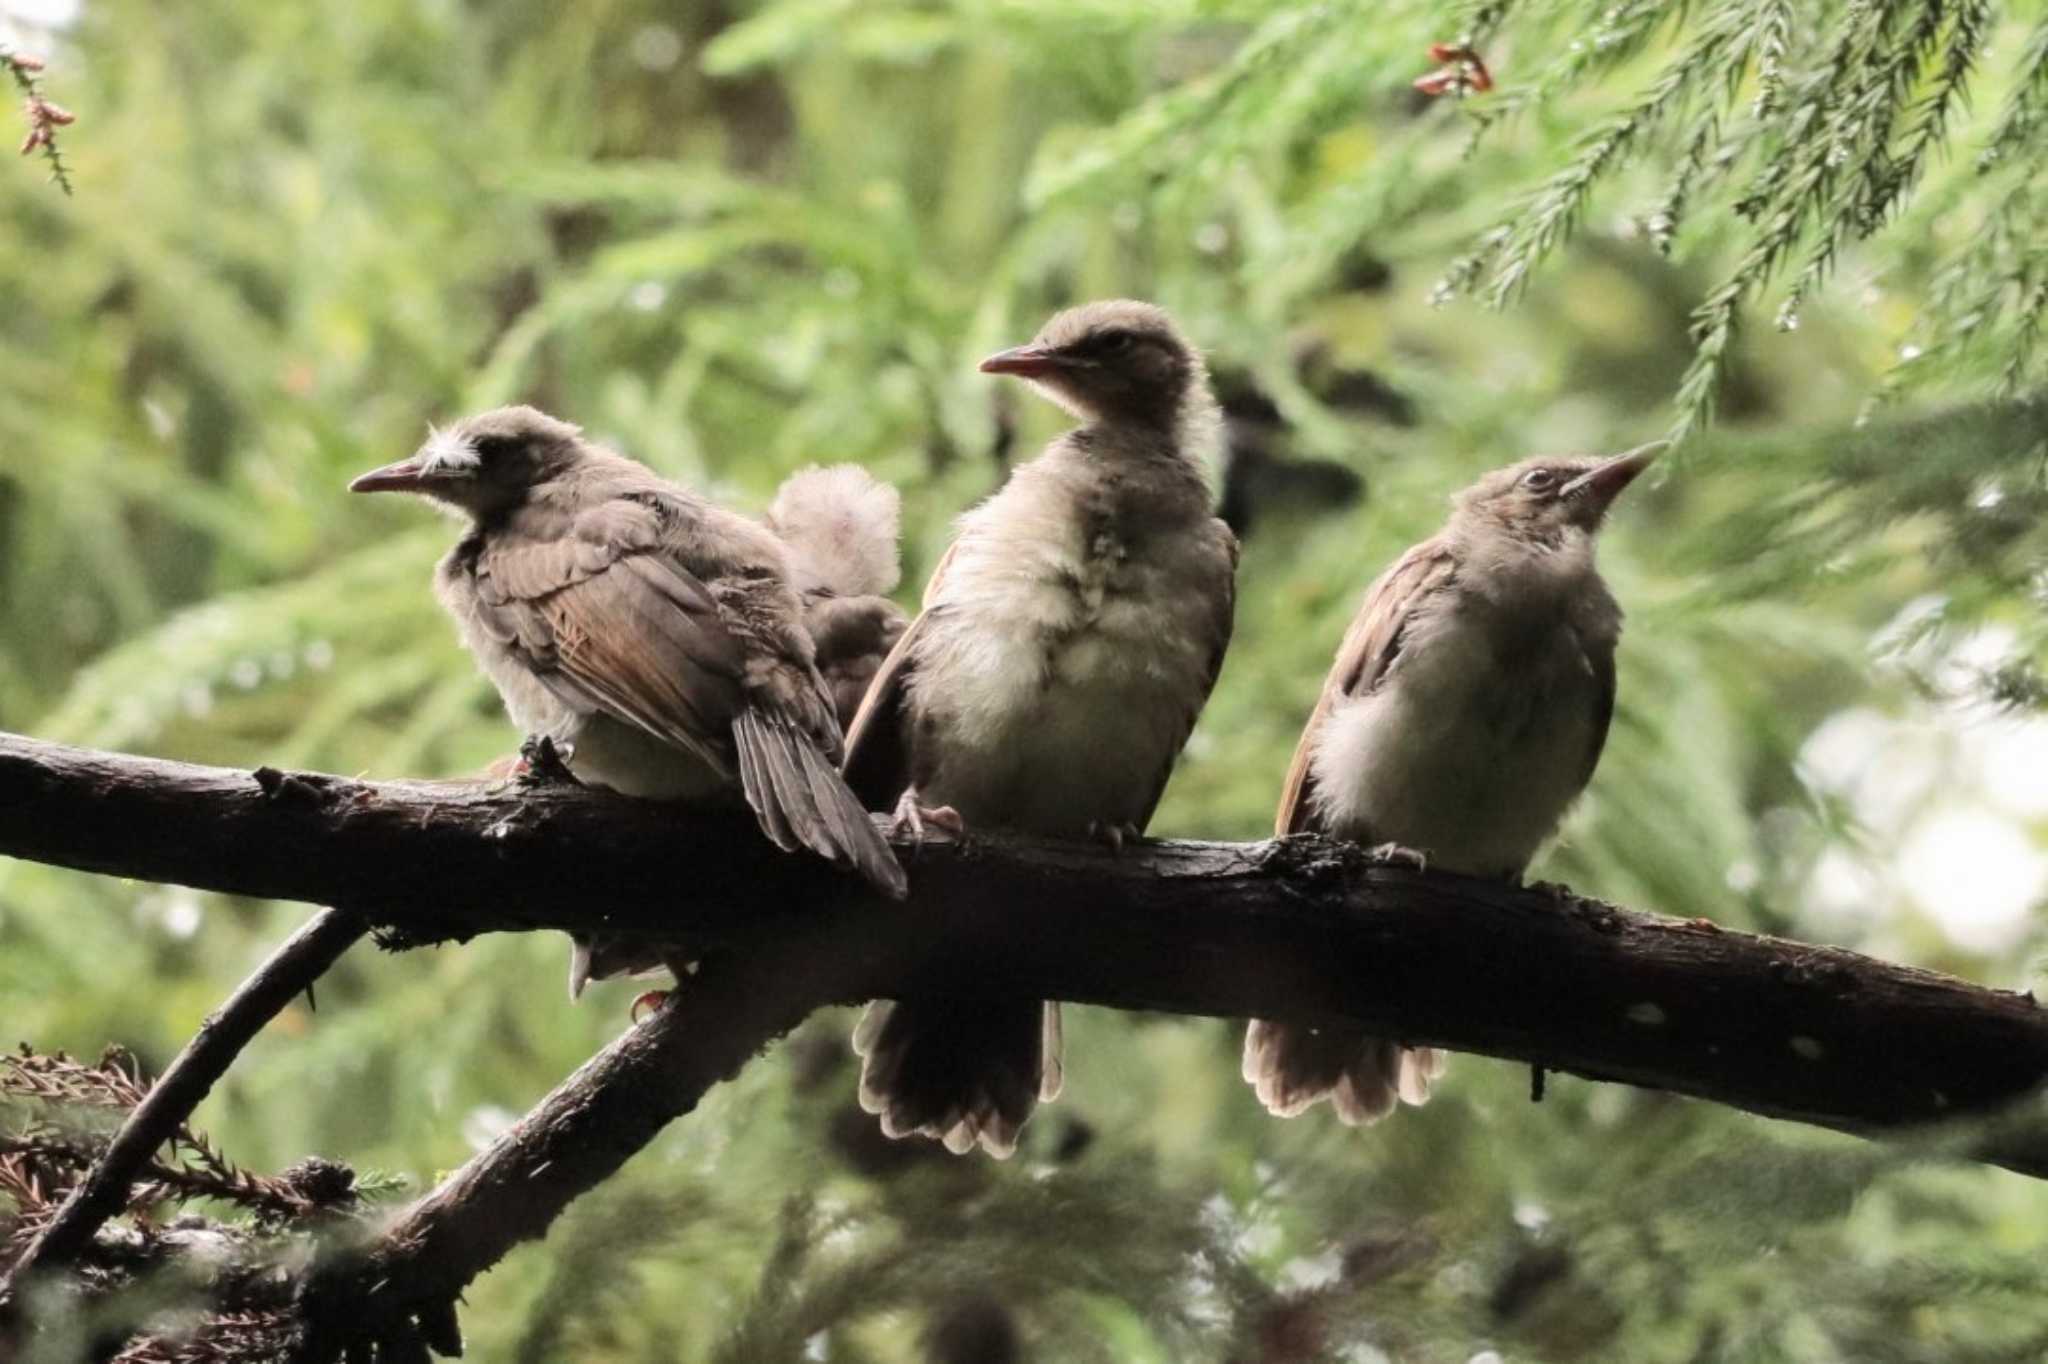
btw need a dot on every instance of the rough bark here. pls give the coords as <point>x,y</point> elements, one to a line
<point>1295,928</point>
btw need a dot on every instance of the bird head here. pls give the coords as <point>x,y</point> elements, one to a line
<point>1113,361</point>
<point>483,464</point>
<point>1545,499</point>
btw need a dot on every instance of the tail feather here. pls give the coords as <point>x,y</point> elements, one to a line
<point>801,800</point>
<point>1293,1067</point>
<point>963,1073</point>
<point>850,825</point>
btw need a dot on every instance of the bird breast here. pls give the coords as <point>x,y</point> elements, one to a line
<point>1472,747</point>
<point>1059,665</point>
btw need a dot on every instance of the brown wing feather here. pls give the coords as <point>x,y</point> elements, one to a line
<point>1370,647</point>
<point>877,763</point>
<point>612,626</point>
<point>612,620</point>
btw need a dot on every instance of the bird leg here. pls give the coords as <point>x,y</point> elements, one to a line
<point>681,967</point>
<point>1113,834</point>
<point>915,818</point>
<point>1395,854</point>
<point>543,762</point>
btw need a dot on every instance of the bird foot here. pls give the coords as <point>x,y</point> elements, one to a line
<point>543,762</point>
<point>1556,890</point>
<point>1395,854</point>
<point>918,819</point>
<point>647,999</point>
<point>1113,835</point>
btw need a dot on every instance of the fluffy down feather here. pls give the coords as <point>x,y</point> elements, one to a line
<point>840,524</point>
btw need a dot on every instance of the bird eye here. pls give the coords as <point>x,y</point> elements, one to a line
<point>1114,343</point>
<point>1539,480</point>
<point>495,447</point>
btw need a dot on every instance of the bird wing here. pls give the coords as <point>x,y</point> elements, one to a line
<point>611,625</point>
<point>1600,663</point>
<point>1370,648</point>
<point>1222,619</point>
<point>612,619</point>
<point>877,764</point>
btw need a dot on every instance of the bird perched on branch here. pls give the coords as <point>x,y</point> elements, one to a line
<point>658,639</point>
<point>1068,640</point>
<point>1466,711</point>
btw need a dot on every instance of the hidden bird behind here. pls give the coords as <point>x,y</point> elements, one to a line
<point>657,638</point>
<point>1466,711</point>
<point>1069,638</point>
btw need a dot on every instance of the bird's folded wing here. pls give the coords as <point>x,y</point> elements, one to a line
<point>1370,647</point>
<point>613,626</point>
<point>877,762</point>
<point>1600,663</point>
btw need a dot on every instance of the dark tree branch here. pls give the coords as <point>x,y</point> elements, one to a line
<point>407,1281</point>
<point>104,1191</point>
<point>1298,928</point>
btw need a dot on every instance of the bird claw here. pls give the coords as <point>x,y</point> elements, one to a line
<point>544,762</point>
<point>1113,834</point>
<point>917,819</point>
<point>647,999</point>
<point>1395,854</point>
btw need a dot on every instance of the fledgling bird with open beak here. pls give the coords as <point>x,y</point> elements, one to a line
<point>1466,711</point>
<point>654,636</point>
<point>1068,640</point>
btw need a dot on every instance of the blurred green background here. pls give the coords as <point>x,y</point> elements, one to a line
<point>735,238</point>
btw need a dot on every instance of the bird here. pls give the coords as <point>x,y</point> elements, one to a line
<point>1069,637</point>
<point>657,639</point>
<point>841,525</point>
<point>1466,711</point>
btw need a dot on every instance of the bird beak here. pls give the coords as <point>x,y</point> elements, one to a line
<point>406,476</point>
<point>1027,362</point>
<point>1604,481</point>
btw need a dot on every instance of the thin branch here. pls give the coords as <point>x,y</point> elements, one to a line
<point>161,1114</point>
<point>1293,929</point>
<point>406,1283</point>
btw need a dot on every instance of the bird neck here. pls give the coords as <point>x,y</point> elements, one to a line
<point>1188,432</point>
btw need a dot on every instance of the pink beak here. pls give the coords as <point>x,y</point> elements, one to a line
<point>1026,362</point>
<point>406,476</point>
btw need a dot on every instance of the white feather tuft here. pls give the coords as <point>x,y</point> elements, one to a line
<point>447,450</point>
<point>840,524</point>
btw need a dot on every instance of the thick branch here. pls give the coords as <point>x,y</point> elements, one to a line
<point>1295,929</point>
<point>293,968</point>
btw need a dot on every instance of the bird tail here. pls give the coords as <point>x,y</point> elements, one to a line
<point>841,525</point>
<point>1364,1078</point>
<point>801,800</point>
<point>961,1072</point>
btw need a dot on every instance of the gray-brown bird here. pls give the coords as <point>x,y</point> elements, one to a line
<point>1466,711</point>
<point>657,638</point>
<point>840,526</point>
<point>1068,640</point>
